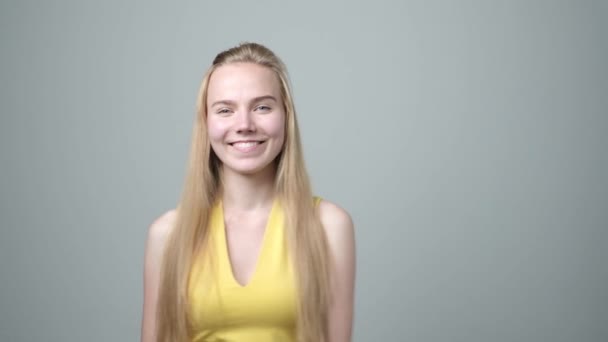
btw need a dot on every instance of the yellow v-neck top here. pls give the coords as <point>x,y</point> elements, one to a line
<point>264,309</point>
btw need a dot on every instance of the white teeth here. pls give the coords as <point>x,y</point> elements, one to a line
<point>245,144</point>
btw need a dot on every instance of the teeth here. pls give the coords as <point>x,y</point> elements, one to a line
<point>245,144</point>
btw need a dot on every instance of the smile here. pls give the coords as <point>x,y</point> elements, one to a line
<point>246,146</point>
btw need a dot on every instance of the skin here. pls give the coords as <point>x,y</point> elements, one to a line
<point>244,104</point>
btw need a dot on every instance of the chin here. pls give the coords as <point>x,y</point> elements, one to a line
<point>249,170</point>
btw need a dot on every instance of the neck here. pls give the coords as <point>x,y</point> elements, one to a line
<point>248,192</point>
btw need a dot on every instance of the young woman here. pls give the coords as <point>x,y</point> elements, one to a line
<point>249,254</point>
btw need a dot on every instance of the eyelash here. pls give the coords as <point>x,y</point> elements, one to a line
<point>262,107</point>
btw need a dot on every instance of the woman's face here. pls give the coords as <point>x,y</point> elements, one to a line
<point>245,117</point>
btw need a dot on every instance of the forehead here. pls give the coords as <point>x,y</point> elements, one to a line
<point>242,81</point>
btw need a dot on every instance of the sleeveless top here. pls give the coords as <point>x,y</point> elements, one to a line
<point>221,309</point>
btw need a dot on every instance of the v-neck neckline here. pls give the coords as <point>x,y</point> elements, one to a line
<point>261,252</point>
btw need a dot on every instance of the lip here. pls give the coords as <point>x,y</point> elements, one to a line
<point>246,141</point>
<point>250,145</point>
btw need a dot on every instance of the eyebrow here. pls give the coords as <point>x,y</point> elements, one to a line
<point>254,100</point>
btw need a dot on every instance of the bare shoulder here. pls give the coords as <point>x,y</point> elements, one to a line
<point>158,232</point>
<point>162,226</point>
<point>339,227</point>
<point>334,218</point>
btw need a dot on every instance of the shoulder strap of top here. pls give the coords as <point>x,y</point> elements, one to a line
<point>316,200</point>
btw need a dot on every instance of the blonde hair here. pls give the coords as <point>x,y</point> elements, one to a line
<point>306,237</point>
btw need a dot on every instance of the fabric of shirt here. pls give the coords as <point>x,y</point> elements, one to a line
<point>221,309</point>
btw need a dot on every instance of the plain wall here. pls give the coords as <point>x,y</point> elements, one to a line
<point>468,140</point>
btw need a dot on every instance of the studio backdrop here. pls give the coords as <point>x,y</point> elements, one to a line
<point>468,140</point>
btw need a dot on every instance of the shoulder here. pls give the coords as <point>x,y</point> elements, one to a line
<point>334,217</point>
<point>340,233</point>
<point>162,225</point>
<point>159,230</point>
<point>158,233</point>
<point>338,225</point>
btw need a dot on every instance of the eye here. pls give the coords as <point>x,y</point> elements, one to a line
<point>262,108</point>
<point>223,111</point>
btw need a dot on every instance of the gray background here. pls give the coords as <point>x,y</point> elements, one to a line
<point>467,139</point>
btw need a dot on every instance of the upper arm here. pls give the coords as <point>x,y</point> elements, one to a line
<point>340,234</point>
<point>155,243</point>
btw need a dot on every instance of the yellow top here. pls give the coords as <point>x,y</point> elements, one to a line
<point>264,309</point>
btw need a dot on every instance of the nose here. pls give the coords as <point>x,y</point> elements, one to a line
<point>245,122</point>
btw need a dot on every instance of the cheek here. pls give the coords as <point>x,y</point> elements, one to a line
<point>215,130</point>
<point>216,134</point>
<point>277,127</point>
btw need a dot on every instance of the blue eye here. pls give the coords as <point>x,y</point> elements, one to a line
<point>263,108</point>
<point>223,111</point>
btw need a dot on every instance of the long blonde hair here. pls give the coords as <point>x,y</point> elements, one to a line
<point>306,237</point>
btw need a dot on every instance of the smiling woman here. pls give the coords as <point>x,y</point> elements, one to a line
<point>249,254</point>
<point>246,123</point>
